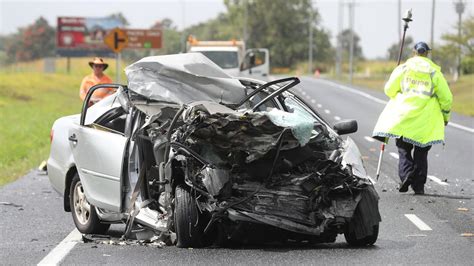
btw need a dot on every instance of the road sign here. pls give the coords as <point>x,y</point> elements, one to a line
<point>116,39</point>
<point>144,39</point>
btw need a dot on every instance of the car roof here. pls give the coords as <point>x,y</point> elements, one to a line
<point>183,78</point>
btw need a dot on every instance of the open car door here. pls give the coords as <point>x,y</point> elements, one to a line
<point>98,149</point>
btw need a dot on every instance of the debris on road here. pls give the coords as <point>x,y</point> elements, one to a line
<point>5,203</point>
<point>463,209</point>
<point>467,234</point>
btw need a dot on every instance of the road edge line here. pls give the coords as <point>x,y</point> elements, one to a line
<point>58,253</point>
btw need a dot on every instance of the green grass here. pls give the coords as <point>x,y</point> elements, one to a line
<point>30,101</point>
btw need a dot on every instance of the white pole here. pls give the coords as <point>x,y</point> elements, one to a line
<point>310,51</point>
<point>118,58</point>
<point>351,51</point>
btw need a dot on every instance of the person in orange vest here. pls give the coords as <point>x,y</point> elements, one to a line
<point>98,66</point>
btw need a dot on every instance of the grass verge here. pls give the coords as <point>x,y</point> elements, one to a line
<point>30,101</point>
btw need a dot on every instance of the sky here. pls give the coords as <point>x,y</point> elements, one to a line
<point>376,22</point>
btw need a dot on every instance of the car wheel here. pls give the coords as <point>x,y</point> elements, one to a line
<point>366,241</point>
<point>189,230</point>
<point>84,213</point>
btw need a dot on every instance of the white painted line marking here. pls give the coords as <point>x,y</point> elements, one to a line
<point>394,155</point>
<point>303,92</point>
<point>313,101</point>
<point>60,251</point>
<point>418,222</point>
<point>307,97</point>
<point>437,180</point>
<point>327,111</point>
<point>337,118</point>
<point>369,139</point>
<point>320,105</point>
<point>375,99</point>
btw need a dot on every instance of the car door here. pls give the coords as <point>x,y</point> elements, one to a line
<point>98,153</point>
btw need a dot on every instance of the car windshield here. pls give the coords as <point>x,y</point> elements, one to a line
<point>224,59</point>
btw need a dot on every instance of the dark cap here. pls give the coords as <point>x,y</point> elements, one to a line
<point>421,47</point>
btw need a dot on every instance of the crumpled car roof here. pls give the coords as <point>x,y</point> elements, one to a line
<point>183,78</point>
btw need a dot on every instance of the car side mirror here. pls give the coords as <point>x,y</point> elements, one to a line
<point>123,99</point>
<point>346,127</point>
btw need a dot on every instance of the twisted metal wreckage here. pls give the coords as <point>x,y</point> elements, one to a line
<point>211,164</point>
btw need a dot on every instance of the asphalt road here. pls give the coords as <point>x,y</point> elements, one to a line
<point>33,222</point>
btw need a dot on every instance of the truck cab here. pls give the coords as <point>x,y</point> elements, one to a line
<point>233,58</point>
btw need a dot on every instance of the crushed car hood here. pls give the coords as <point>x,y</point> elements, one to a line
<point>183,78</point>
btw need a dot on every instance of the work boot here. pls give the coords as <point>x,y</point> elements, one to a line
<point>420,191</point>
<point>405,184</point>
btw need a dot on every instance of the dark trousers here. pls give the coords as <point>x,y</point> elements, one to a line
<point>414,167</point>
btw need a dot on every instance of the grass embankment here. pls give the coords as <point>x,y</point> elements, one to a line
<point>30,101</point>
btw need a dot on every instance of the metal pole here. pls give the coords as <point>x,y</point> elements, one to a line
<point>310,48</point>
<point>246,11</point>
<point>432,25</point>
<point>340,16</point>
<point>407,19</point>
<point>399,33</point>
<point>118,58</point>
<point>459,9</point>
<point>351,49</point>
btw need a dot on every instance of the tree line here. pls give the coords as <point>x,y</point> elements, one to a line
<point>282,26</point>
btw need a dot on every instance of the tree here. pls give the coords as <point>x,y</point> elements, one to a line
<point>33,42</point>
<point>463,44</point>
<point>120,17</point>
<point>394,50</point>
<point>280,25</point>
<point>345,39</point>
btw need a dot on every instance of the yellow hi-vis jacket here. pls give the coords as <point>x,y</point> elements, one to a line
<point>420,103</point>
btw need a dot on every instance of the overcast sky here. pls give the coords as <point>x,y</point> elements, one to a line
<point>376,22</point>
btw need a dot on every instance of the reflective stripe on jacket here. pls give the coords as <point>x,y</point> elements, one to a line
<point>420,103</point>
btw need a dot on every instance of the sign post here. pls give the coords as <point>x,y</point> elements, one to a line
<point>116,40</point>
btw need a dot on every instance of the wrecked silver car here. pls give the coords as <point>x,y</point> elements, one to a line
<point>199,158</point>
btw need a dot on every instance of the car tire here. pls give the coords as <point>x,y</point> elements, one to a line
<point>83,213</point>
<point>189,230</point>
<point>362,242</point>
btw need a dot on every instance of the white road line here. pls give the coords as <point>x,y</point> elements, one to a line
<point>327,111</point>
<point>375,99</point>
<point>60,251</point>
<point>308,97</point>
<point>418,222</point>
<point>369,139</point>
<point>394,155</point>
<point>313,101</point>
<point>337,118</point>
<point>320,105</point>
<point>303,92</point>
<point>437,180</point>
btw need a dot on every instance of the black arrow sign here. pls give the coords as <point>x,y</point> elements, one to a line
<point>117,40</point>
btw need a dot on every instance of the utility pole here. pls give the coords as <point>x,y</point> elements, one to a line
<point>460,5</point>
<point>432,26</point>
<point>183,22</point>
<point>351,49</point>
<point>399,33</point>
<point>310,48</point>
<point>340,17</point>
<point>246,15</point>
